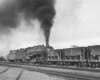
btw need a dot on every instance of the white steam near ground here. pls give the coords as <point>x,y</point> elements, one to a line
<point>22,37</point>
<point>25,35</point>
<point>76,23</point>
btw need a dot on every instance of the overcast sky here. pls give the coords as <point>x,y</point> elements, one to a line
<point>77,22</point>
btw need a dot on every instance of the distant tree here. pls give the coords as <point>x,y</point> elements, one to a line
<point>2,58</point>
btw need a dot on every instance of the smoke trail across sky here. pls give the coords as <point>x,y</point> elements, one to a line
<point>43,10</point>
<point>77,22</point>
<point>24,22</point>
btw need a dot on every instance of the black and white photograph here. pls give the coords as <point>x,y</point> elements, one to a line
<point>49,39</point>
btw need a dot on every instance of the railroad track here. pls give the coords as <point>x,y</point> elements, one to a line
<point>66,67</point>
<point>61,67</point>
<point>62,74</point>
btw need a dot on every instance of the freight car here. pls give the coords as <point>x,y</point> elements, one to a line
<point>20,55</point>
<point>11,56</point>
<point>68,56</point>
<point>72,56</point>
<point>53,56</point>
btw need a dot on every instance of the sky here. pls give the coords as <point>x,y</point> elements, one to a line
<point>77,22</point>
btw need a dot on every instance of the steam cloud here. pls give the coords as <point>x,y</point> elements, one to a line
<point>43,10</point>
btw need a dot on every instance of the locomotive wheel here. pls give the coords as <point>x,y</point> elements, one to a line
<point>79,64</point>
<point>50,63</point>
<point>97,65</point>
<point>45,63</point>
<point>61,63</point>
<point>83,64</point>
<point>67,64</point>
<point>57,63</point>
<point>89,64</point>
<point>75,65</point>
<point>93,65</point>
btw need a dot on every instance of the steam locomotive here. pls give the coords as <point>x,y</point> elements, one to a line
<point>76,56</point>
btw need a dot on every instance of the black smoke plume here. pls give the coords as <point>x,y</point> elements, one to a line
<point>8,16</point>
<point>43,10</point>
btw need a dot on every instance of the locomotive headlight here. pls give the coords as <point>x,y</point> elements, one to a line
<point>48,49</point>
<point>94,55</point>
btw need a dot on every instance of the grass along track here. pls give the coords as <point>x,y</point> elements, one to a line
<point>19,75</point>
<point>4,71</point>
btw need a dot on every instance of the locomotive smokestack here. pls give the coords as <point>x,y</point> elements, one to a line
<point>47,44</point>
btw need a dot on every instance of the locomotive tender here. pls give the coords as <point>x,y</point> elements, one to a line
<point>77,56</point>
